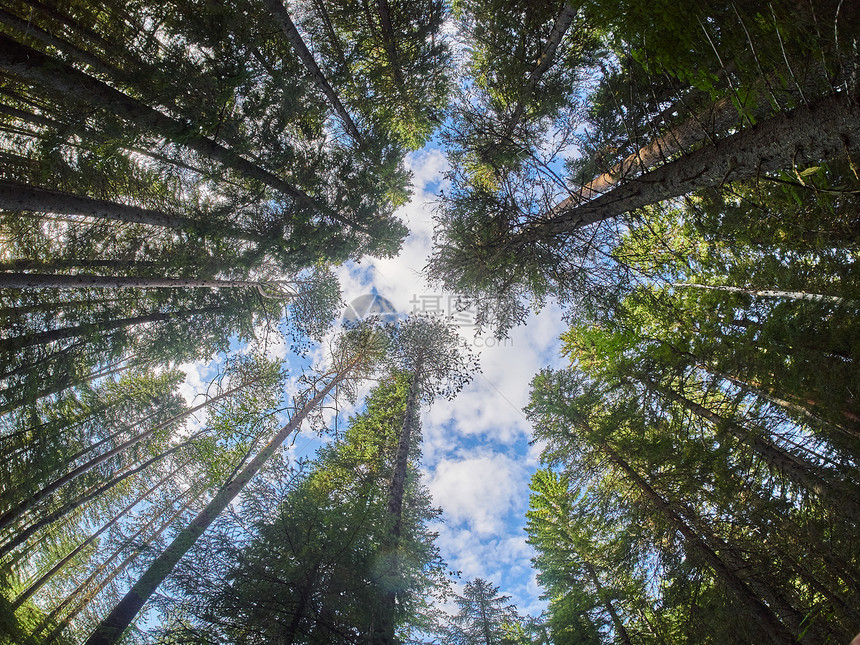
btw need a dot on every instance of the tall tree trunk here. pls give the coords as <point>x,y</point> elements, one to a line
<point>15,196</point>
<point>830,429</point>
<point>397,488</point>
<point>16,311</point>
<point>40,70</point>
<point>559,29</point>
<point>112,627</point>
<point>8,518</point>
<point>28,30</point>
<point>607,602</point>
<point>764,616</point>
<point>43,338</point>
<point>767,293</point>
<point>389,39</point>
<point>796,469</point>
<point>716,119</point>
<point>25,534</point>
<point>89,281</point>
<point>35,447</point>
<point>63,382</point>
<point>823,130</point>
<point>92,593</point>
<point>282,18</point>
<point>396,491</point>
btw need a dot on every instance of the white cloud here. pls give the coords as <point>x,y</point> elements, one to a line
<point>477,459</point>
<point>478,492</point>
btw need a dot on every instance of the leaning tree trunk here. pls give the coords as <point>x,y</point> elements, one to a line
<point>15,196</point>
<point>825,129</point>
<point>28,30</point>
<point>282,18</point>
<point>92,593</point>
<point>50,573</point>
<point>559,29</point>
<point>798,470</point>
<point>765,617</point>
<point>715,120</point>
<point>389,40</point>
<point>607,602</point>
<point>767,293</point>
<point>112,627</point>
<point>89,281</point>
<point>16,343</point>
<point>92,493</point>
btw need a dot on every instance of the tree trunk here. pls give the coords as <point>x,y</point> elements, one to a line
<point>89,281</point>
<point>282,18</point>
<point>718,118</point>
<point>43,338</point>
<point>15,196</point>
<point>385,633</point>
<point>112,627</point>
<point>12,515</point>
<point>825,129</point>
<point>40,70</point>
<point>796,469</point>
<point>92,493</point>
<point>28,29</point>
<point>16,311</point>
<point>88,597</point>
<point>389,39</point>
<point>765,617</point>
<point>808,416</point>
<point>64,382</point>
<point>397,488</point>
<point>559,29</point>
<point>764,293</point>
<point>607,602</point>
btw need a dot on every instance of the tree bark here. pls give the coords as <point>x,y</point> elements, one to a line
<point>389,39</point>
<point>43,338</point>
<point>825,129</point>
<point>401,461</point>
<point>112,627</point>
<point>15,196</point>
<point>40,70</point>
<point>28,29</point>
<point>385,633</point>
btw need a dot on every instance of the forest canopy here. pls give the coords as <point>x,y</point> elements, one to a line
<point>182,180</point>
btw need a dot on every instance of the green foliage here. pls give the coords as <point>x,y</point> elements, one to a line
<point>483,616</point>
<point>317,568</point>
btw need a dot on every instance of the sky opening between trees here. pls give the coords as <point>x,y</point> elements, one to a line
<point>618,400</point>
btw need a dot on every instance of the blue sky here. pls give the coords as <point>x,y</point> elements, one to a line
<point>477,459</point>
